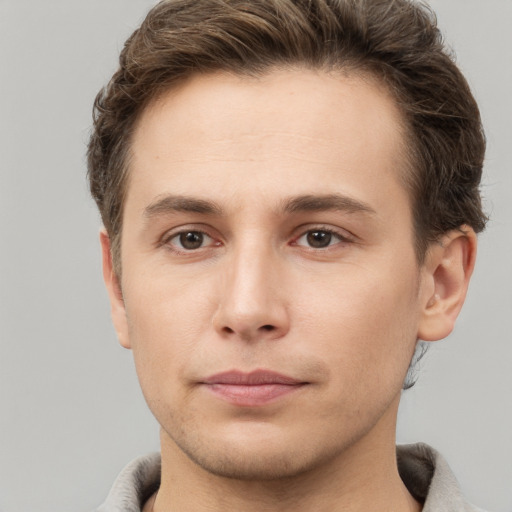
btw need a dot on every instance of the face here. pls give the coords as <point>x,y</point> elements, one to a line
<point>271,293</point>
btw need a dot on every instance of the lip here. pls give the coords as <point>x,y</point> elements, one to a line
<point>257,388</point>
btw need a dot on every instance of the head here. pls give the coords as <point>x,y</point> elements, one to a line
<point>290,185</point>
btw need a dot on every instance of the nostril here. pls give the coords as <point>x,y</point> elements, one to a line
<point>249,332</point>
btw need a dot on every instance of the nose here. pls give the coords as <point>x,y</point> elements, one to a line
<point>252,304</point>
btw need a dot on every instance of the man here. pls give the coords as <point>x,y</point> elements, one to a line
<point>289,190</point>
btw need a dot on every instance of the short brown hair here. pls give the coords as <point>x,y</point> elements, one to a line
<point>396,41</point>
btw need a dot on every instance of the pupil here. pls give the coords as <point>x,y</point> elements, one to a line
<point>191,240</point>
<point>319,238</point>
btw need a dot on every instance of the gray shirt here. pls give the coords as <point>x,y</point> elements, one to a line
<point>423,470</point>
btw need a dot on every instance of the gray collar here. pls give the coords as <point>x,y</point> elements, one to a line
<point>423,470</point>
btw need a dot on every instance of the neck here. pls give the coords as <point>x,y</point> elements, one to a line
<point>364,477</point>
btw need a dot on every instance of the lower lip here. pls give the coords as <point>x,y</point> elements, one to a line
<point>252,396</point>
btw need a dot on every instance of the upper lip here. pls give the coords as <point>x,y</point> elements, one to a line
<point>254,378</point>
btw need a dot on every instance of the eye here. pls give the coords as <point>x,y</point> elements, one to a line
<point>319,238</point>
<point>189,240</point>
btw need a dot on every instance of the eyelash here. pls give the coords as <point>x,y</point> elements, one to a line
<point>341,239</point>
<point>167,239</point>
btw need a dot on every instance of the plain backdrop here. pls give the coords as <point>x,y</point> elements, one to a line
<point>71,411</point>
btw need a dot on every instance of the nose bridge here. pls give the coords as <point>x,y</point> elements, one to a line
<point>250,305</point>
<point>252,266</point>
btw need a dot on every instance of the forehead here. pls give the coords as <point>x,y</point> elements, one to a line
<point>297,129</point>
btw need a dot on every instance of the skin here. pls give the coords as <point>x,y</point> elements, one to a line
<point>230,159</point>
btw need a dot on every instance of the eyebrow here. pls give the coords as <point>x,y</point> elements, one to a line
<point>335,202</point>
<point>305,203</point>
<point>172,203</point>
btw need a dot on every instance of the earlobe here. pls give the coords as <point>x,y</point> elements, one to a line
<point>448,268</point>
<point>113,286</point>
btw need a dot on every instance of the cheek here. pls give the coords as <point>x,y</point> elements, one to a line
<point>364,323</point>
<point>165,323</point>
<point>165,307</point>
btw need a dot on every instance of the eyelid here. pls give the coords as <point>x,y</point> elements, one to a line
<point>165,239</point>
<point>344,235</point>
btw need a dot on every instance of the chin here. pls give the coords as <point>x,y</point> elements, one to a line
<point>251,465</point>
<point>259,456</point>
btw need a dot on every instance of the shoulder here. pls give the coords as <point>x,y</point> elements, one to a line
<point>429,479</point>
<point>136,482</point>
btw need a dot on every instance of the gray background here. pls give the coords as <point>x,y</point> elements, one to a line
<point>71,411</point>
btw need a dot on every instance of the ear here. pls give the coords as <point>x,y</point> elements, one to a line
<point>447,271</point>
<point>115,293</point>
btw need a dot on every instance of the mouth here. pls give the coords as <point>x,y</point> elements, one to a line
<point>256,388</point>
